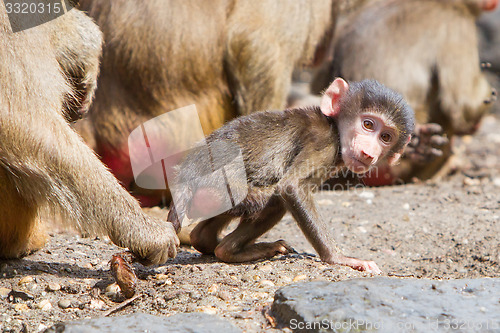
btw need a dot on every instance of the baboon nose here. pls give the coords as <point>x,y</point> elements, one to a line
<point>367,156</point>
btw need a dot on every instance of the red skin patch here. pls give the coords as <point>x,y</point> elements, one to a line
<point>118,161</point>
<point>489,5</point>
<point>148,200</point>
<point>382,176</point>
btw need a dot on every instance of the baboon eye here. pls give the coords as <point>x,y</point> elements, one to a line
<point>386,137</point>
<point>368,124</point>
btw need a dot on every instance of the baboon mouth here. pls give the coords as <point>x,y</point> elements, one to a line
<point>357,165</point>
<point>360,161</point>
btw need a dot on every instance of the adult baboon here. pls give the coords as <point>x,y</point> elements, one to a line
<point>48,75</point>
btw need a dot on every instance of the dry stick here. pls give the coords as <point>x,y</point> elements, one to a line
<point>122,305</point>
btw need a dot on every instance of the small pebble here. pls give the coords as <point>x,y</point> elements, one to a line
<point>44,305</point>
<point>53,286</point>
<point>256,277</point>
<point>471,181</point>
<point>299,278</point>
<point>207,309</point>
<point>260,295</point>
<point>233,308</point>
<point>4,292</point>
<point>88,266</point>
<point>64,303</point>
<point>346,204</point>
<point>213,288</point>
<point>21,307</point>
<point>266,268</point>
<point>389,252</point>
<point>496,182</point>
<point>195,294</point>
<point>96,304</point>
<point>25,280</point>
<point>266,283</point>
<point>161,276</point>
<point>324,202</point>
<point>42,328</point>
<point>112,290</point>
<point>406,206</point>
<point>159,270</point>
<point>224,295</point>
<point>367,195</point>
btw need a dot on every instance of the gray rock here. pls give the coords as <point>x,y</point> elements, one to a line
<point>141,322</point>
<point>390,305</point>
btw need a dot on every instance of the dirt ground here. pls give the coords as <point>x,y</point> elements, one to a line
<point>442,229</point>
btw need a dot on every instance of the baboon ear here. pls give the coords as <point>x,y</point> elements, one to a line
<point>330,105</point>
